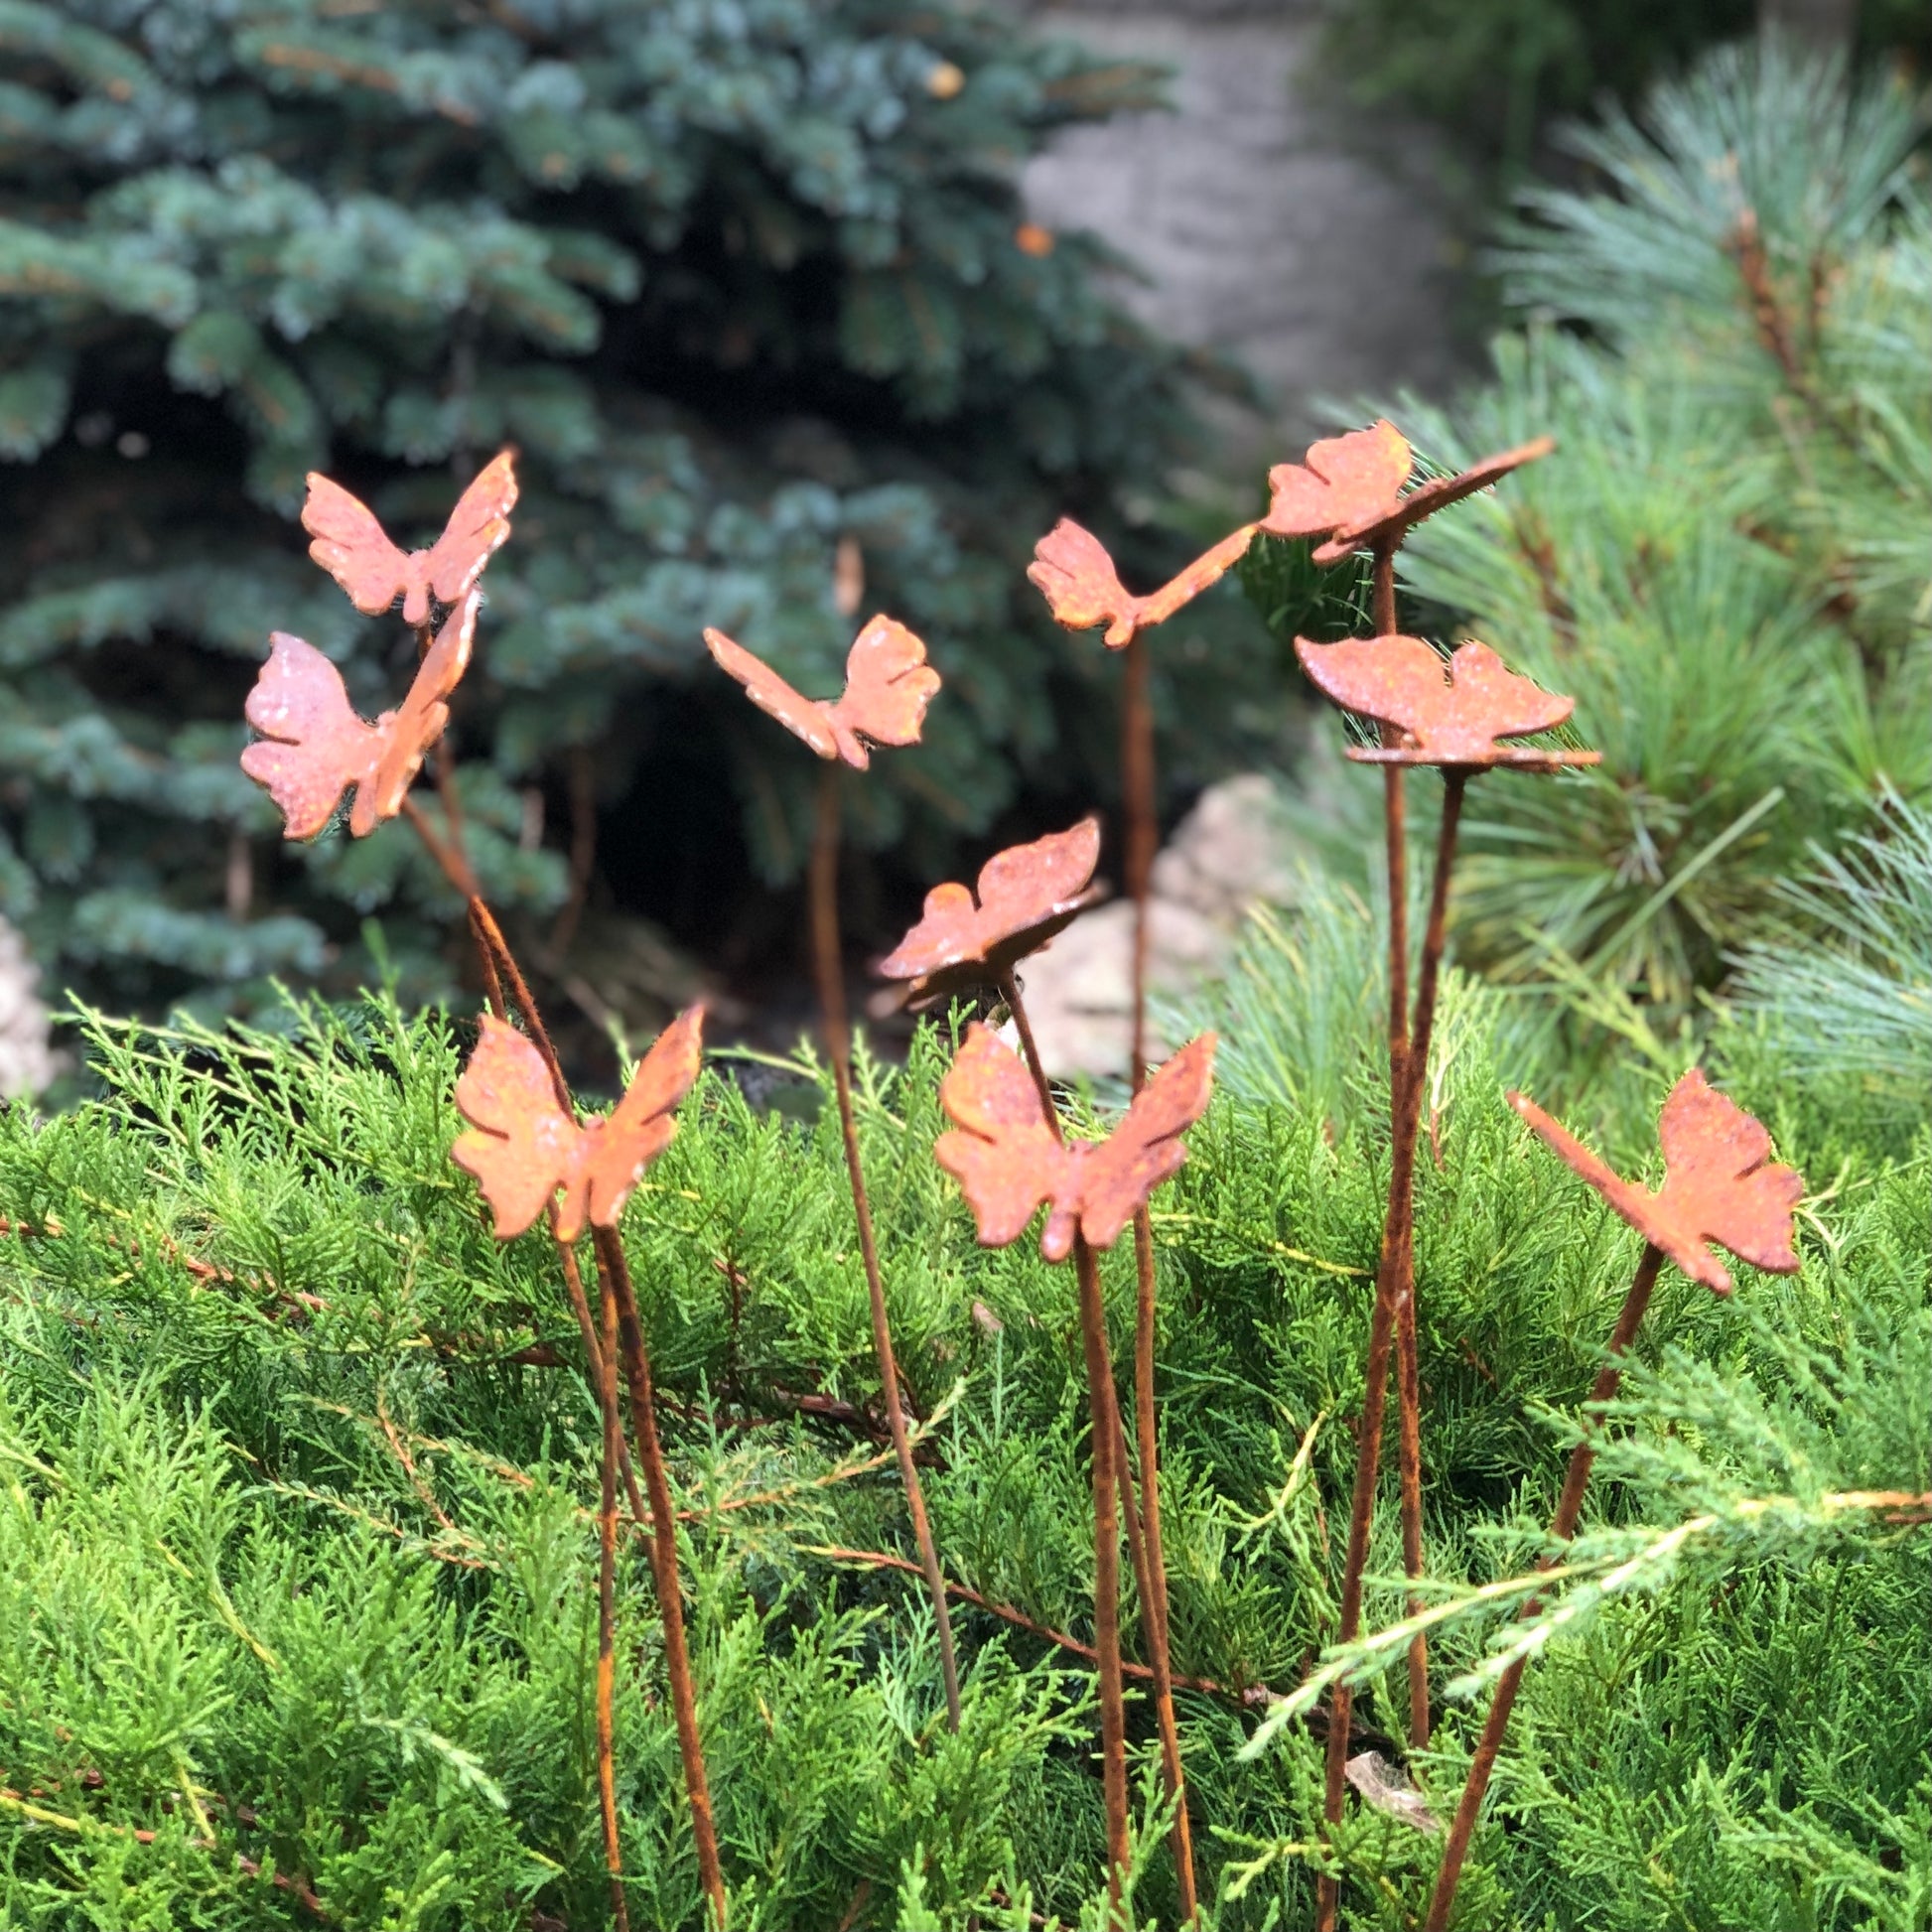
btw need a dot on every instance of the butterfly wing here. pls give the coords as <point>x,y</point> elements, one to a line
<point>1073,572</point>
<point>1720,1183</point>
<point>1026,893</point>
<point>1394,680</point>
<point>888,686</point>
<point>1631,1202</point>
<point>477,530</point>
<point>1429,498</point>
<point>352,547</point>
<point>1455,712</point>
<point>524,1147</point>
<point>804,717</point>
<point>641,1127</point>
<point>1344,480</point>
<point>1487,702</point>
<point>312,745</point>
<point>408,732</point>
<point>1116,1175</point>
<point>947,933</point>
<point>1029,881</point>
<point>1652,1216</point>
<point>1000,1148</point>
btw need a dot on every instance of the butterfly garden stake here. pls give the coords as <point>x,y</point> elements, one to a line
<point>527,1145</point>
<point>1072,569</point>
<point>525,1150</point>
<point>969,938</point>
<point>1008,1156</point>
<point>1348,492</point>
<point>1720,1185</point>
<point>352,546</point>
<point>888,686</point>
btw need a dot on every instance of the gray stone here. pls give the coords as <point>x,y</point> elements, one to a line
<point>28,1063</point>
<point>1264,227</point>
<point>1233,850</point>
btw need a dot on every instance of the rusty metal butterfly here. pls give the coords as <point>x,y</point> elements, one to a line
<point>888,686</point>
<point>1720,1185</point>
<point>527,1148</point>
<point>1342,481</point>
<point>1025,894</point>
<point>1072,569</point>
<point>1454,713</point>
<point>1007,1158</point>
<point>1349,490</point>
<point>313,746</point>
<point>352,545</point>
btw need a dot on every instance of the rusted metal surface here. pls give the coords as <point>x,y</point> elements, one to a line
<point>1140,1514</point>
<point>1720,1183</point>
<point>613,1274</point>
<point>352,545</point>
<point>1025,895</point>
<point>527,1148</point>
<point>1008,1160</point>
<point>605,1365</point>
<point>1343,481</point>
<point>1349,491</point>
<point>1394,1278</point>
<point>828,962</point>
<point>1426,498</point>
<point>1106,1567</point>
<point>314,747</point>
<point>1395,838</point>
<point>1452,714</point>
<point>1073,569</point>
<point>1073,572</point>
<point>888,686</point>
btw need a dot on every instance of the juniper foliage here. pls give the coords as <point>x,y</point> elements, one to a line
<point>301,1466</point>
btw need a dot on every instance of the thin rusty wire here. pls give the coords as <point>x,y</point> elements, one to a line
<point>1106,1572</point>
<point>828,957</point>
<point>1456,1847</point>
<point>1396,1233</point>
<point>967,937</point>
<point>1348,493</point>
<point>1720,1185</point>
<point>1394,814</point>
<point>613,1268</point>
<point>1138,788</point>
<point>1073,572</point>
<point>661,1539</point>
<point>1159,1668</point>
<point>607,1616</point>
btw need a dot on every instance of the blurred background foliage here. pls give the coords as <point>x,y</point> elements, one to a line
<point>753,292</point>
<point>751,288</point>
<point>1497,78</point>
